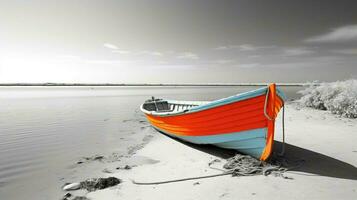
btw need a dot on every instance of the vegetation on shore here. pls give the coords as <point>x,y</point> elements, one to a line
<point>337,97</point>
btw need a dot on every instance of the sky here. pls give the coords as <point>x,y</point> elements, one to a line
<point>177,41</point>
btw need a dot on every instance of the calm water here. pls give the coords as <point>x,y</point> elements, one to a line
<point>44,131</point>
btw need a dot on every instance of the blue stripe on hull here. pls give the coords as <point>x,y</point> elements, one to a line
<point>253,147</point>
<point>231,99</point>
<point>250,142</point>
<point>236,98</point>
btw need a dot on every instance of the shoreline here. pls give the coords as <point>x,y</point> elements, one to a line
<point>148,84</point>
<point>324,141</point>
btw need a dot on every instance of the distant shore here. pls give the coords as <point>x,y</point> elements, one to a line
<point>152,84</point>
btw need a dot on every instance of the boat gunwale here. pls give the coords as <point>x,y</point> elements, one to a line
<point>212,104</point>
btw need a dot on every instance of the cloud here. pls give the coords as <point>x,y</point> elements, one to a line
<point>244,47</point>
<point>225,47</point>
<point>298,51</point>
<point>341,34</point>
<point>254,56</point>
<point>121,51</point>
<point>105,62</point>
<point>345,51</point>
<point>249,47</point>
<point>155,53</point>
<point>151,53</point>
<point>188,55</point>
<point>110,46</point>
<point>309,62</point>
<point>222,61</point>
<point>249,65</point>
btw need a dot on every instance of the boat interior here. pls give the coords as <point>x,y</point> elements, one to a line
<point>167,106</point>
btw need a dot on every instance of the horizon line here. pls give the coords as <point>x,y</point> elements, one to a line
<point>151,84</point>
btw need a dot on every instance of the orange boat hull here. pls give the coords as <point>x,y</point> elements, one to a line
<point>240,125</point>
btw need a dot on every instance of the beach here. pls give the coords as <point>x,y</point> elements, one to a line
<point>66,135</point>
<point>325,142</point>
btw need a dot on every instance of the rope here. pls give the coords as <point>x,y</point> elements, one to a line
<point>282,120</point>
<point>179,180</point>
<point>266,105</point>
<point>245,165</point>
<point>238,165</point>
<point>283,130</point>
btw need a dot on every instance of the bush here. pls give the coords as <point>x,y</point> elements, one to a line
<point>338,97</point>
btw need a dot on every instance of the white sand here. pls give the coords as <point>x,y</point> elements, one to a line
<point>327,143</point>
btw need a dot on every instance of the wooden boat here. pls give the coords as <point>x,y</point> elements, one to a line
<point>244,122</point>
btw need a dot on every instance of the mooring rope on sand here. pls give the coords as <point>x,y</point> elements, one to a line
<point>178,180</point>
<point>239,165</point>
